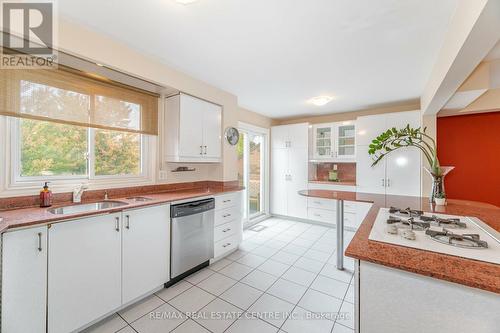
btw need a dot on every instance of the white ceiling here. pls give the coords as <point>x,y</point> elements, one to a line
<point>276,54</point>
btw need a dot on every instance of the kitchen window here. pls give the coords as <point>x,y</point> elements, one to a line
<point>50,151</point>
<point>68,128</point>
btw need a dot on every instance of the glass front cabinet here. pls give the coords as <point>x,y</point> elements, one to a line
<point>334,141</point>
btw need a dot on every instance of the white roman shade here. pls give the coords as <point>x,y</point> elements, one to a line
<point>72,97</point>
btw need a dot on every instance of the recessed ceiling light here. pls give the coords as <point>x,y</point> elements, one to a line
<point>320,100</point>
<point>185,2</point>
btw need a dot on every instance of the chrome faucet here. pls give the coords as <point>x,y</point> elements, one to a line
<point>78,192</point>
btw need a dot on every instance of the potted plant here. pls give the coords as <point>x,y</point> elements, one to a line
<point>440,199</point>
<point>394,139</point>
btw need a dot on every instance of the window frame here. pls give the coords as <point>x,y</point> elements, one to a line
<point>15,184</point>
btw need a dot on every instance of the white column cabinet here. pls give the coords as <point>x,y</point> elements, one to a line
<point>84,275</point>
<point>193,130</point>
<point>24,280</point>
<point>399,173</point>
<point>145,250</point>
<point>289,169</point>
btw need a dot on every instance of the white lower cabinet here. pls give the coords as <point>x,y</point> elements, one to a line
<point>145,250</point>
<point>228,225</point>
<point>84,271</point>
<point>325,211</point>
<point>24,280</point>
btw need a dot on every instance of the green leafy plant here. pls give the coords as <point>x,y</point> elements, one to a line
<point>440,195</point>
<point>394,139</point>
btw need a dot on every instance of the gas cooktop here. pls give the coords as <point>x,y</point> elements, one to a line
<point>461,236</point>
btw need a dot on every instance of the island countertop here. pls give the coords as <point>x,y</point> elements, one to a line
<point>473,273</point>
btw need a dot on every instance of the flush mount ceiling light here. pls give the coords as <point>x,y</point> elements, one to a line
<point>185,2</point>
<point>320,100</point>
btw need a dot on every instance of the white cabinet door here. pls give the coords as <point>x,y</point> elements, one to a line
<point>279,136</point>
<point>24,280</point>
<point>84,271</point>
<point>191,127</point>
<point>145,250</point>
<point>298,135</point>
<point>403,172</point>
<point>369,127</point>
<point>279,174</point>
<point>402,119</point>
<point>212,124</point>
<point>297,181</point>
<point>345,141</point>
<point>323,141</point>
<point>369,179</point>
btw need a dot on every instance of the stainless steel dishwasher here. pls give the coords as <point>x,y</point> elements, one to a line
<point>192,237</point>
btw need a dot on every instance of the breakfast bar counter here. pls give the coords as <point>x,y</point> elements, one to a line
<point>473,273</point>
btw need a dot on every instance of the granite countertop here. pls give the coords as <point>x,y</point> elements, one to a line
<point>32,216</point>
<point>469,272</point>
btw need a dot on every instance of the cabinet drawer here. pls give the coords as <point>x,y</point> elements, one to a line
<point>227,229</point>
<point>322,215</point>
<point>322,203</point>
<point>350,206</point>
<point>227,215</point>
<point>227,200</point>
<point>226,245</point>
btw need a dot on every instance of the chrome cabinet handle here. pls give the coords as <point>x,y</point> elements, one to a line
<point>226,245</point>
<point>388,182</point>
<point>201,150</point>
<point>316,214</point>
<point>117,224</point>
<point>226,215</point>
<point>226,230</point>
<point>383,182</point>
<point>318,202</point>
<point>205,150</point>
<point>224,201</point>
<point>127,225</point>
<point>40,242</point>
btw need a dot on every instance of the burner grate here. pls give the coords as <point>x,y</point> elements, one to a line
<point>471,241</point>
<point>449,222</point>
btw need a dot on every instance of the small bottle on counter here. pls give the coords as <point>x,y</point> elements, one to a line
<point>46,196</point>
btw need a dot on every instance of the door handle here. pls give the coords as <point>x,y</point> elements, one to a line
<point>201,150</point>
<point>128,222</point>
<point>383,182</point>
<point>226,230</point>
<point>117,224</point>
<point>226,245</point>
<point>40,242</point>
<point>225,201</point>
<point>205,150</point>
<point>226,215</point>
<point>388,182</point>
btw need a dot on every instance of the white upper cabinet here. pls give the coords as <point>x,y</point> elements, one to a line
<point>24,280</point>
<point>193,130</point>
<point>399,173</point>
<point>290,136</point>
<point>334,141</point>
<point>145,250</point>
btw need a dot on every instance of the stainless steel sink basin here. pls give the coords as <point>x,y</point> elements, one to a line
<point>139,199</point>
<point>90,207</point>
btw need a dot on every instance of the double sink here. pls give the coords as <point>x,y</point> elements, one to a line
<point>93,207</point>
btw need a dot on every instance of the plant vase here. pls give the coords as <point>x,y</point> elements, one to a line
<point>438,190</point>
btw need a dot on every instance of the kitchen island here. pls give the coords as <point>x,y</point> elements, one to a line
<point>399,287</point>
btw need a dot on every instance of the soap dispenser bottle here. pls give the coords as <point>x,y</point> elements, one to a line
<point>46,196</point>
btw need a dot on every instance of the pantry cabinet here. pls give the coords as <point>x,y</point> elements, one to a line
<point>193,130</point>
<point>399,173</point>
<point>145,250</point>
<point>84,271</point>
<point>334,142</point>
<point>289,172</point>
<point>24,280</point>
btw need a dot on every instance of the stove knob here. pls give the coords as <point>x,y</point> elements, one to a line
<point>409,234</point>
<point>392,229</point>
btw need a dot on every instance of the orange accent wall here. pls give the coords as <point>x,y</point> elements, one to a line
<point>471,144</point>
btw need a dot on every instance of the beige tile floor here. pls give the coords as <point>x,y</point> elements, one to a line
<point>281,279</point>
